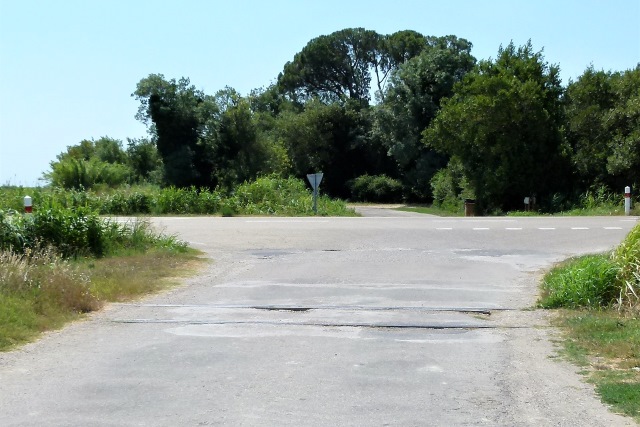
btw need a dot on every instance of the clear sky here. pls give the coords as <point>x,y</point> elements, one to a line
<point>68,67</point>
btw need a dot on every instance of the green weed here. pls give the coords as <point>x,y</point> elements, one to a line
<point>588,281</point>
<point>607,344</point>
<point>270,195</point>
<point>39,290</point>
<point>627,257</point>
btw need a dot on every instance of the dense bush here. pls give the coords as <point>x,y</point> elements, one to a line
<point>450,187</point>
<point>588,281</point>
<point>596,281</point>
<point>278,196</point>
<point>76,232</point>
<point>266,196</point>
<point>627,257</point>
<point>376,188</point>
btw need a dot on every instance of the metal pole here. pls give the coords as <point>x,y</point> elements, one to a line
<point>315,200</point>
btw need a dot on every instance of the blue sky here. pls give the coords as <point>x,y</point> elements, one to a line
<point>68,67</point>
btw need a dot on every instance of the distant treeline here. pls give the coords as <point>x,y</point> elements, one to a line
<point>441,127</point>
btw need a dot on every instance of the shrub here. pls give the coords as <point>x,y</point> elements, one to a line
<point>627,257</point>
<point>79,232</point>
<point>179,201</point>
<point>270,195</point>
<point>376,188</point>
<point>450,187</point>
<point>588,282</point>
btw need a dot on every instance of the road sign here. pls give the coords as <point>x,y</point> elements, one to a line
<point>314,180</point>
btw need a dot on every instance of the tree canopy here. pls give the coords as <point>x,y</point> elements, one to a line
<point>410,114</point>
<point>503,124</point>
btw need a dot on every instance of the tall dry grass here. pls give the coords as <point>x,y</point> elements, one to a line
<point>627,257</point>
<point>47,279</point>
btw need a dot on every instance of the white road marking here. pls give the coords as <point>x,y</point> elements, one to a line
<point>480,228</point>
<point>546,228</point>
<point>271,221</point>
<point>579,228</point>
<point>444,228</point>
<point>513,228</point>
<point>613,228</point>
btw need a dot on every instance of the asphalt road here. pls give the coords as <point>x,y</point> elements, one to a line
<point>377,321</point>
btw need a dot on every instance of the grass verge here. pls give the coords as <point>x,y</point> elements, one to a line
<point>430,210</point>
<point>59,264</point>
<point>600,300</point>
<point>607,345</point>
<point>42,291</point>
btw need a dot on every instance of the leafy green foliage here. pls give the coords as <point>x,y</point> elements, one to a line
<point>145,161</point>
<point>503,124</point>
<point>450,187</point>
<point>587,281</point>
<point>412,101</point>
<point>596,281</point>
<point>182,121</point>
<point>276,196</point>
<point>627,257</point>
<point>509,124</point>
<point>103,163</point>
<point>603,127</point>
<point>376,188</point>
<point>76,232</point>
<point>333,67</point>
<point>328,138</point>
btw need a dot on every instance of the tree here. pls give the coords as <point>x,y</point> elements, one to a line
<point>89,163</point>
<point>587,100</point>
<point>393,51</point>
<point>413,99</point>
<point>603,127</point>
<point>144,160</point>
<point>183,124</point>
<point>623,124</point>
<point>503,125</point>
<point>331,139</point>
<point>332,67</point>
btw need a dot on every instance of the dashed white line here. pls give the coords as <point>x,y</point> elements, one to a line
<point>521,228</point>
<point>285,221</point>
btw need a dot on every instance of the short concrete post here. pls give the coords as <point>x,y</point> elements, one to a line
<point>627,200</point>
<point>27,205</point>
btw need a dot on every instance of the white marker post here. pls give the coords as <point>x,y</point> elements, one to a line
<point>314,180</point>
<point>627,200</point>
<point>27,205</point>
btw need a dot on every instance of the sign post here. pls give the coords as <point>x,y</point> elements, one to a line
<point>314,180</point>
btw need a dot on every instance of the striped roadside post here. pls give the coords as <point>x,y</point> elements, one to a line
<point>28,207</point>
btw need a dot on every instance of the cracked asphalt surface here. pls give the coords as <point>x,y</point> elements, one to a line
<point>399,320</point>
